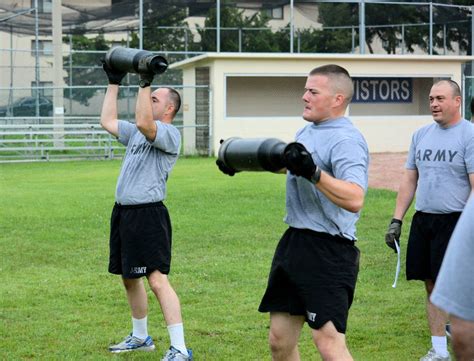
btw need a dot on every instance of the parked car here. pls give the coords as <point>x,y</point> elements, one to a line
<point>26,107</point>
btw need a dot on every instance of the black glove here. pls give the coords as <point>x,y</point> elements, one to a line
<point>300,162</point>
<point>114,76</point>
<point>225,169</point>
<point>393,233</point>
<point>146,78</point>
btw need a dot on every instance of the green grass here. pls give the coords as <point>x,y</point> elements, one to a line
<point>58,302</point>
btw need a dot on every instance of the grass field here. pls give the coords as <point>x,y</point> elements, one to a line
<point>58,302</point>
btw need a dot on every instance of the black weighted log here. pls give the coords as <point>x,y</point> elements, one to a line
<point>251,154</point>
<point>135,61</point>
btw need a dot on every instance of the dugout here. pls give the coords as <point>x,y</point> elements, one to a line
<point>259,95</point>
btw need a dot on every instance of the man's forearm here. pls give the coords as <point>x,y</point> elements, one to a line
<point>405,197</point>
<point>346,195</point>
<point>144,114</point>
<point>109,114</point>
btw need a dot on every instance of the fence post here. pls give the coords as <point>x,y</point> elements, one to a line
<point>70,72</point>
<point>299,41</point>
<point>186,42</point>
<point>240,40</point>
<point>431,28</point>
<point>353,39</point>
<point>292,25</point>
<point>403,39</point>
<point>362,26</point>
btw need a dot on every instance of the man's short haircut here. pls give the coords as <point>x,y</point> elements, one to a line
<point>175,98</point>
<point>341,81</point>
<point>456,90</point>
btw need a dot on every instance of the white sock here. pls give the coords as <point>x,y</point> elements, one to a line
<point>440,345</point>
<point>176,333</point>
<point>140,328</point>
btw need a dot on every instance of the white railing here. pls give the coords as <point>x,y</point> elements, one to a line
<point>56,141</point>
<point>28,139</point>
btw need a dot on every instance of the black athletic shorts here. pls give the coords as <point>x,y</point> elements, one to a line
<point>313,275</point>
<point>427,243</point>
<point>140,240</point>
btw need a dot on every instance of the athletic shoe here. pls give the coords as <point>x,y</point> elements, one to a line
<point>433,356</point>
<point>132,343</point>
<point>175,355</point>
<point>448,330</point>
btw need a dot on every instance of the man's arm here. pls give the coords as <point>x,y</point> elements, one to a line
<point>144,114</point>
<point>406,193</point>
<point>347,195</point>
<point>109,115</point>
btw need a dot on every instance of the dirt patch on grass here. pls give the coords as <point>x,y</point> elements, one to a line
<point>386,170</point>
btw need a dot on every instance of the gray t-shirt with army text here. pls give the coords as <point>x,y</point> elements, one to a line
<point>146,165</point>
<point>340,150</point>
<point>443,157</point>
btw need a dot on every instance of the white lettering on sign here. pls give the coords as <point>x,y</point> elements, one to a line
<point>383,90</point>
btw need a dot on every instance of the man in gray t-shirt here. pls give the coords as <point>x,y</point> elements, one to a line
<point>454,290</point>
<point>315,266</point>
<point>440,171</point>
<point>140,235</point>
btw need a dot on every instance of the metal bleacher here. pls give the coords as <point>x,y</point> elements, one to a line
<point>22,139</point>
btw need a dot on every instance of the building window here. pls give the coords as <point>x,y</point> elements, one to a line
<point>44,6</point>
<point>274,13</point>
<point>45,47</point>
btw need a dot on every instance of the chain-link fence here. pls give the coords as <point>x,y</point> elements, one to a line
<point>51,81</point>
<point>24,136</point>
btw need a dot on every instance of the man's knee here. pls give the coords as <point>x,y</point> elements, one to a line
<point>429,286</point>
<point>277,340</point>
<point>331,344</point>
<point>132,283</point>
<point>280,344</point>
<point>158,282</point>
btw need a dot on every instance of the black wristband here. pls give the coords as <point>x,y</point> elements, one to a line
<point>144,83</point>
<point>394,220</point>
<point>316,175</point>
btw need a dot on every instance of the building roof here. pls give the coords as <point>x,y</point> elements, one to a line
<point>209,57</point>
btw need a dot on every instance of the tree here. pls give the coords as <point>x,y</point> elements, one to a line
<point>316,40</point>
<point>163,27</point>
<point>457,23</point>
<point>85,70</point>
<point>164,31</point>
<point>259,40</point>
<point>378,16</point>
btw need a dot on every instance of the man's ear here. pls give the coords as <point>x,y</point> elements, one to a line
<point>170,108</point>
<point>339,99</point>
<point>459,100</point>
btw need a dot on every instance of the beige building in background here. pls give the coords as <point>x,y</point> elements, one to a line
<point>259,95</point>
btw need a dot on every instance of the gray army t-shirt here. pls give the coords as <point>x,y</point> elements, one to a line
<point>341,151</point>
<point>443,157</point>
<point>146,165</point>
<point>454,289</point>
